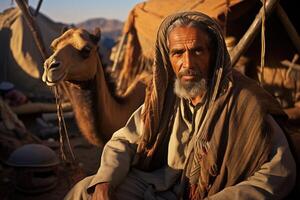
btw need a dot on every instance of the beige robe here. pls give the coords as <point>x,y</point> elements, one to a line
<point>274,180</point>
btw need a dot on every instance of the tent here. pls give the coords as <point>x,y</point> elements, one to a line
<point>142,24</point>
<point>234,16</point>
<point>21,63</point>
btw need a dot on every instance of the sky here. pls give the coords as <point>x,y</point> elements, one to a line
<point>74,11</point>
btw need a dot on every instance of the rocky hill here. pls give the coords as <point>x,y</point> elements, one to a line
<point>111,28</point>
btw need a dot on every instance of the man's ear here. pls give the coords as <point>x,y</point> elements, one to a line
<point>96,36</point>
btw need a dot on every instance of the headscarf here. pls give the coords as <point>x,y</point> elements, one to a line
<point>160,98</point>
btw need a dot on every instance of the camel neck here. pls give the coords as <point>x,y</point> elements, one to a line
<point>116,112</point>
<point>97,112</point>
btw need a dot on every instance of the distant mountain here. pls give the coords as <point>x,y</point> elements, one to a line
<point>110,28</point>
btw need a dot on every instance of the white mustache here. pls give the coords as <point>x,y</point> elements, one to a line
<point>189,72</point>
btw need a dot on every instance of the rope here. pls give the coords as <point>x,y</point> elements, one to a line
<point>226,17</point>
<point>63,133</point>
<point>263,43</point>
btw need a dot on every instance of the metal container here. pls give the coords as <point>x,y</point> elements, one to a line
<point>36,168</point>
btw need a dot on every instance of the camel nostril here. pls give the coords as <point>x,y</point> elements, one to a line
<point>54,65</point>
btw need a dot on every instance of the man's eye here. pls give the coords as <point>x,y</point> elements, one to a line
<point>198,51</point>
<point>177,53</point>
<point>52,48</point>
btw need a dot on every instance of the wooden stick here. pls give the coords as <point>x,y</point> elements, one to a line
<point>33,27</point>
<point>252,31</point>
<point>120,47</point>
<point>38,8</point>
<point>292,32</point>
<point>290,65</point>
<point>30,108</point>
<point>53,116</point>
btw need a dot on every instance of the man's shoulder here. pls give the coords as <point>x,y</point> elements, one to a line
<point>245,85</point>
<point>251,91</point>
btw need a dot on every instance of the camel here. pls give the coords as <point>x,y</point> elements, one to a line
<point>76,63</point>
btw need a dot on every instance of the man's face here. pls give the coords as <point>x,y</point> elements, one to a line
<point>189,54</point>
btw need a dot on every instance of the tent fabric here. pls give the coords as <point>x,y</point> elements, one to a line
<point>21,63</point>
<point>144,19</point>
<point>148,16</point>
<point>142,25</point>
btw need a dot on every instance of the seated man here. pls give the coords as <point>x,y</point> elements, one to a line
<point>204,131</point>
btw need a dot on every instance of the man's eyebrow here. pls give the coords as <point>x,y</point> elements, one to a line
<point>176,50</point>
<point>180,50</point>
<point>198,47</point>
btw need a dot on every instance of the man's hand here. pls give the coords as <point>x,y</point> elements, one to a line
<point>103,191</point>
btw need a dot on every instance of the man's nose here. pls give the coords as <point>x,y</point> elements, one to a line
<point>187,60</point>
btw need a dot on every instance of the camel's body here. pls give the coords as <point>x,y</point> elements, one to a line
<point>76,62</point>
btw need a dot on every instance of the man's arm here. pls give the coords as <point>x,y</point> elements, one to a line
<point>117,154</point>
<point>274,180</point>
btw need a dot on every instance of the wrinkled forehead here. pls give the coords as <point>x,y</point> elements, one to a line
<point>200,20</point>
<point>188,35</point>
<point>190,19</point>
<point>78,38</point>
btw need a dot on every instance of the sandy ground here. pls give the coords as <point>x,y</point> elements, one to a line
<point>87,156</point>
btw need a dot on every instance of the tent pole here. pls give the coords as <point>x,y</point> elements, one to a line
<point>252,31</point>
<point>292,32</point>
<point>120,47</point>
<point>36,33</point>
<point>38,8</point>
<point>33,27</point>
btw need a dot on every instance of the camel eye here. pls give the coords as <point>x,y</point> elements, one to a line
<point>52,48</point>
<point>85,52</point>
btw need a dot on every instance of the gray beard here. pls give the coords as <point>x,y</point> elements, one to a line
<point>190,90</point>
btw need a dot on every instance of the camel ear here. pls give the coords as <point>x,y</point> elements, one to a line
<point>64,29</point>
<point>96,36</point>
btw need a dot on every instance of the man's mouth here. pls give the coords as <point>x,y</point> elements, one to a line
<point>188,77</point>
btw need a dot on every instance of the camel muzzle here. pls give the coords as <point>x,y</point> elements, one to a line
<point>50,69</point>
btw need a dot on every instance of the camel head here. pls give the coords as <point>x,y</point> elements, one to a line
<point>74,57</point>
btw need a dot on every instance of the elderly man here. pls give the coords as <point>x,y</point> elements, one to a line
<point>204,131</point>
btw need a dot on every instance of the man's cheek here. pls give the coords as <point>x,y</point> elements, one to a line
<point>179,64</point>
